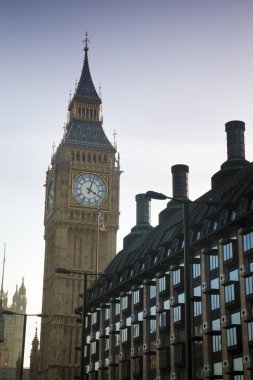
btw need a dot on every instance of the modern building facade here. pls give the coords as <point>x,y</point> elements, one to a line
<point>135,328</point>
<point>82,186</point>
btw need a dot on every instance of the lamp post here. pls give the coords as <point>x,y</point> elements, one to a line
<point>84,308</point>
<point>24,315</point>
<point>187,279</point>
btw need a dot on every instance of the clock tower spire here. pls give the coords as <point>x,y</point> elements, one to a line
<point>83,176</point>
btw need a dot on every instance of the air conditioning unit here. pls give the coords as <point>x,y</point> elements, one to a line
<point>222,279</point>
<point>173,376</point>
<point>101,364</point>
<point>134,318</point>
<point>121,324</point>
<point>224,320</point>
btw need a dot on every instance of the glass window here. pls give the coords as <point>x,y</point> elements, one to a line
<point>107,313</point>
<point>124,335</point>
<point>250,331</point>
<point>216,324</point>
<point>229,293</point>
<point>217,368</point>
<point>152,326</point>
<point>136,296</point>
<point>136,330</point>
<point>234,275</point>
<point>215,301</point>
<point>216,343</point>
<point>196,270</point>
<point>152,291</point>
<point>166,304</point>
<point>177,313</point>
<point>117,308</point>
<point>227,251</point>
<point>197,308</point>
<point>238,364</point>
<point>162,284</point>
<point>213,261</point>
<point>248,241</point>
<point>236,318</point>
<point>163,319</point>
<point>232,336</point>
<point>197,291</point>
<point>215,283</point>
<point>124,302</point>
<point>249,285</point>
<point>176,276</point>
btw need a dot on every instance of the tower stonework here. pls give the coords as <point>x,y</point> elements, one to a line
<point>81,183</point>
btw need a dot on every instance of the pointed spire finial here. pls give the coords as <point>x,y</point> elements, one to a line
<point>86,42</point>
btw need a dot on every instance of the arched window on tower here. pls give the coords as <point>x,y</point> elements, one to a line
<point>105,159</point>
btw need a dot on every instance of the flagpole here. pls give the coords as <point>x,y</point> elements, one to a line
<point>97,244</point>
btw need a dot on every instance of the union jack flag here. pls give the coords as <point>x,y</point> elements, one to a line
<point>101,223</point>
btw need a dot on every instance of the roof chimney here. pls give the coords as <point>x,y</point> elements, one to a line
<point>235,140</point>
<point>180,191</point>
<point>142,219</point>
<point>180,180</point>
<point>235,152</point>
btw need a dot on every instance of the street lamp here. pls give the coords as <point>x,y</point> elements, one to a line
<point>187,282</point>
<point>84,307</point>
<point>24,315</point>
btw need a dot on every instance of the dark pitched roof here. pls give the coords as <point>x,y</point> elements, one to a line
<point>236,193</point>
<point>88,134</point>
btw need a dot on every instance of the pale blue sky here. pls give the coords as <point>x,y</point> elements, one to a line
<point>172,73</point>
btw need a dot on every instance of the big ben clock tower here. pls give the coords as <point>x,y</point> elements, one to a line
<point>83,177</point>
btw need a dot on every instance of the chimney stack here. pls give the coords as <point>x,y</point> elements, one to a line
<point>180,191</point>
<point>235,140</point>
<point>180,181</point>
<point>235,152</point>
<point>142,220</point>
<point>142,209</point>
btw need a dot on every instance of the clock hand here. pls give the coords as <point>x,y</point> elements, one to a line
<point>89,188</point>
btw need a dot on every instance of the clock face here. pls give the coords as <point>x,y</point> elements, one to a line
<point>89,189</point>
<point>50,196</point>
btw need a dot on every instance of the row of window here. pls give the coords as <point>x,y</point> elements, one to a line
<point>89,157</point>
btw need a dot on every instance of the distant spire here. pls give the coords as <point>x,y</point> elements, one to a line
<point>2,284</point>
<point>86,41</point>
